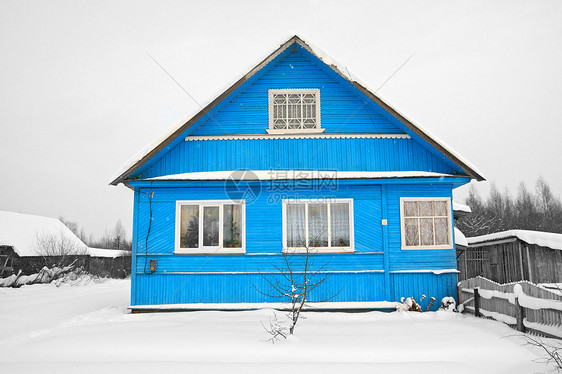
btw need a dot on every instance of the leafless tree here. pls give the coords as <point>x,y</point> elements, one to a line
<point>553,351</point>
<point>58,249</point>
<point>541,211</point>
<point>296,278</point>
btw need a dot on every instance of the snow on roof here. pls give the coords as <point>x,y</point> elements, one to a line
<point>543,239</point>
<point>324,57</point>
<point>458,207</point>
<point>20,231</point>
<point>297,175</point>
<point>110,253</point>
<point>460,239</point>
<point>346,74</point>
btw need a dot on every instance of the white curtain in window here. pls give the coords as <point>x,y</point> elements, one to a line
<point>317,225</point>
<point>339,224</point>
<point>296,225</point>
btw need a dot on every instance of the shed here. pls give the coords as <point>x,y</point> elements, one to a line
<point>515,255</point>
<point>20,249</point>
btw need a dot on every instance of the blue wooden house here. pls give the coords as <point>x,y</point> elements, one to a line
<point>295,157</point>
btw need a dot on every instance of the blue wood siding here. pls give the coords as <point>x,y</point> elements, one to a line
<point>415,259</point>
<point>233,278</point>
<point>263,220</point>
<point>342,154</point>
<point>250,288</point>
<point>341,110</point>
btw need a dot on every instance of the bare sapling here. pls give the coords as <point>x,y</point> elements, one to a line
<point>296,279</point>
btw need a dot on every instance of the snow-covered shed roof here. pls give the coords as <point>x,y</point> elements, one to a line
<point>174,132</point>
<point>103,252</point>
<point>458,207</point>
<point>460,239</point>
<point>543,239</point>
<point>20,231</point>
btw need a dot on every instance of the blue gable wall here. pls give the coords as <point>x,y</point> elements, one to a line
<point>351,154</point>
<point>342,110</point>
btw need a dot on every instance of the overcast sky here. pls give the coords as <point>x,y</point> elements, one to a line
<point>80,95</point>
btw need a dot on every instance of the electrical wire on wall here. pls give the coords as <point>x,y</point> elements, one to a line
<point>150,195</point>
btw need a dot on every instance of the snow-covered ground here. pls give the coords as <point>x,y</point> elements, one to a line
<point>84,329</point>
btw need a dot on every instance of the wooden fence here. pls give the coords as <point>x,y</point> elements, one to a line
<point>522,305</point>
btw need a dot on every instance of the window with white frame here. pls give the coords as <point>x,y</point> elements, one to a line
<point>426,223</point>
<point>294,110</point>
<point>210,226</point>
<point>318,226</point>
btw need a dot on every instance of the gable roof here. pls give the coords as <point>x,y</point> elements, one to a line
<point>176,132</point>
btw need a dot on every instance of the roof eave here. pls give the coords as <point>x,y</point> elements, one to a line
<point>204,111</point>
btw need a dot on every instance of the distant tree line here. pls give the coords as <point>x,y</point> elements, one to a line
<point>539,210</point>
<point>115,238</point>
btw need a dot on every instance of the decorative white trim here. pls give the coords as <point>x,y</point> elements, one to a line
<point>426,247</point>
<point>283,306</point>
<point>318,250</point>
<point>433,271</point>
<point>313,91</point>
<point>294,131</point>
<point>297,136</point>
<point>214,249</point>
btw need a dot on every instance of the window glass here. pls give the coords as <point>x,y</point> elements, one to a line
<point>411,208</point>
<point>317,225</point>
<point>295,221</point>
<point>441,231</point>
<point>339,223</point>
<point>294,109</point>
<point>210,226</point>
<point>426,223</point>
<point>412,232</point>
<point>189,231</point>
<point>232,221</point>
<point>426,231</point>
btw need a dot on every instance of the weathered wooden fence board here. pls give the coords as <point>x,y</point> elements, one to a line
<point>498,301</point>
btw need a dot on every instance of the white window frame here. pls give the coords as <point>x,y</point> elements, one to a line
<point>315,91</point>
<point>449,224</point>
<point>328,249</point>
<point>210,249</point>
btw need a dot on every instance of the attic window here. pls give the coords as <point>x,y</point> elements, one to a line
<point>294,111</point>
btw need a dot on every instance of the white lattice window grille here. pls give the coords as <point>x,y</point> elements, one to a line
<point>294,111</point>
<point>426,223</point>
